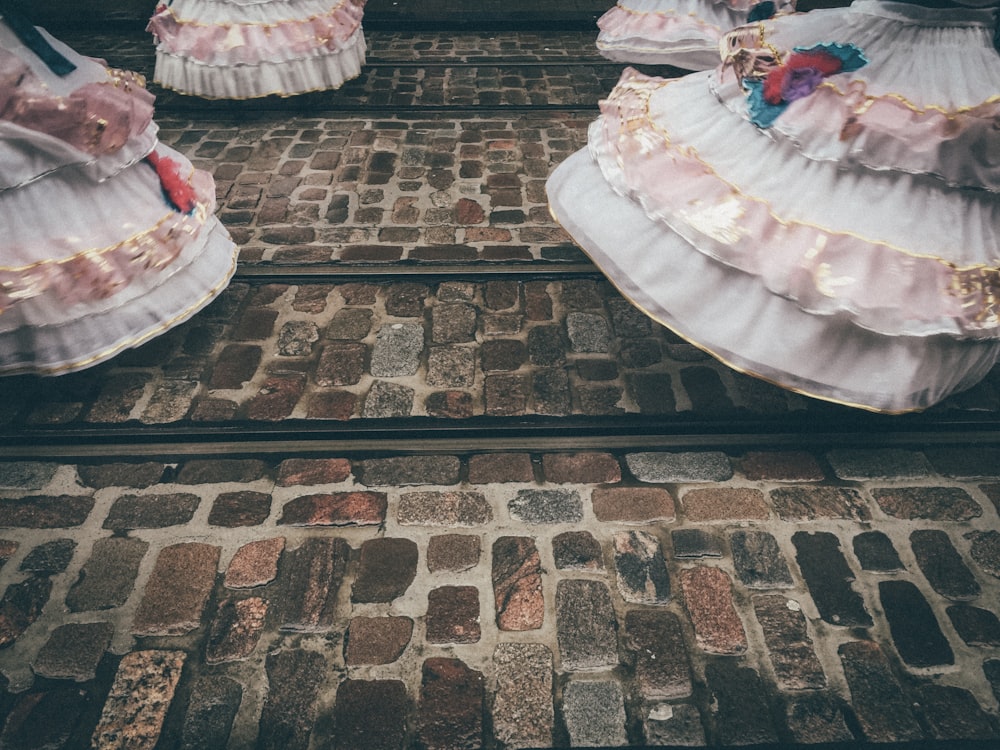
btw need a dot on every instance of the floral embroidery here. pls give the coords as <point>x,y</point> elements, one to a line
<point>798,77</point>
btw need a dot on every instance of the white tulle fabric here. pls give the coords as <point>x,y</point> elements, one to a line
<point>235,49</point>
<point>875,287</point>
<point>682,33</point>
<point>93,257</point>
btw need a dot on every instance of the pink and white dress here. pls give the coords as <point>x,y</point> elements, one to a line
<point>821,211</point>
<point>109,237</point>
<point>243,49</point>
<point>682,33</point>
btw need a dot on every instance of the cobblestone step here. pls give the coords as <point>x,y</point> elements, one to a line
<point>497,599</point>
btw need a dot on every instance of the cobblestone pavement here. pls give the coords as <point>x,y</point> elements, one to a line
<point>197,595</point>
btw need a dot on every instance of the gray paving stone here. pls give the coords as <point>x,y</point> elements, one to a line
<point>964,462</point>
<point>985,550</point>
<point>953,713</point>
<point>708,466</point>
<point>882,709</point>
<point>942,565</point>
<point>21,606</point>
<point>108,576</point>
<point>641,568</point>
<point>49,558</point>
<point>594,712</point>
<point>177,590</point>
<point>974,625</point>
<point>691,544</point>
<point>523,713</point>
<point>547,346</point>
<point>294,677</point>
<point>241,508</point>
<point>878,463</point>
<point>547,506</point>
<point>151,511</point>
<point>796,666</point>
<point>742,715</point>
<point>815,718</point>
<point>931,503</point>
<point>809,503</point>
<point>386,399</point>
<point>662,665</point>
<point>674,725</point>
<point>450,713</point>
<point>312,574</point>
<point>370,714</point>
<point>136,475</point>
<point>588,333</point>
<point>453,552</point>
<point>875,552</point>
<point>73,651</point>
<point>140,696</point>
<point>453,323</point>
<point>397,350</point>
<point>916,633</point>
<point>297,337</point>
<point>577,550</point>
<point>758,560</point>
<point>829,578</point>
<point>211,710</point>
<point>408,470</point>
<point>551,392</point>
<point>451,367</point>
<point>586,626</point>
<point>26,475</point>
<point>45,719</point>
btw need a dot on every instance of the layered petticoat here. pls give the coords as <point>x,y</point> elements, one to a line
<point>108,241</point>
<point>683,33</point>
<point>859,264</point>
<point>244,49</point>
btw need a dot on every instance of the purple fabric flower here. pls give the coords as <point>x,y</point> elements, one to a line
<point>800,82</point>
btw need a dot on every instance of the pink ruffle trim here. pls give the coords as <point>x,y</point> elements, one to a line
<point>101,272</point>
<point>251,44</point>
<point>825,272</point>
<point>97,118</point>
<point>619,24</point>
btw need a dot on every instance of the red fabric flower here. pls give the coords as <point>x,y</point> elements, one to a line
<point>176,188</point>
<point>823,63</point>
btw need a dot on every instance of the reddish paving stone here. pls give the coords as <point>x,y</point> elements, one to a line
<point>633,504</point>
<point>796,666</point>
<point>376,640</point>
<point>312,574</point>
<point>214,410</point>
<point>758,560</point>
<point>294,678</point>
<point>930,503</point>
<point>277,398</point>
<point>255,563</point>
<point>135,475</point>
<point>341,363</point>
<point>107,578</point>
<point>350,324</point>
<point>709,601</point>
<point>453,615</point>
<point>336,509</point>
<point>235,629</point>
<point>73,651</point>
<point>641,569</point>
<point>216,471</point>
<point>386,570</point>
<point>118,396</point>
<point>502,355</point>
<point>46,719</point>
<point>20,606</point>
<point>370,714</point>
<point>177,590</point>
<point>237,364</point>
<point>882,709</point>
<point>45,511</point>
<point>517,584</point>
<point>241,508</point>
<point>140,697</point>
<point>459,508</point>
<point>587,468</point>
<point>408,470</point>
<point>339,405</point>
<point>49,558</point>
<point>310,471</point>
<point>449,405</point>
<point>490,468</point>
<point>256,324</point>
<point>453,552</point>
<point>809,503</point>
<point>781,466</point>
<point>151,511</point>
<point>724,504</point>
<point>523,712</point>
<point>450,711</point>
<point>506,395</point>
<point>8,548</point>
<point>311,298</point>
<point>656,642</point>
<point>577,550</point>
